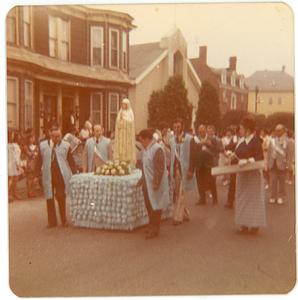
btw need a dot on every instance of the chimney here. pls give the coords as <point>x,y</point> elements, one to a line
<point>233,60</point>
<point>203,54</point>
<point>283,68</point>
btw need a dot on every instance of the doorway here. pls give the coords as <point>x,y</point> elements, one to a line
<point>50,111</point>
<point>67,107</point>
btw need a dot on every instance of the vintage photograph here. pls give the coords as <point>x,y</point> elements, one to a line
<point>150,149</point>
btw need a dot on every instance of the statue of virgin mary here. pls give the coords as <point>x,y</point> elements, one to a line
<point>124,147</point>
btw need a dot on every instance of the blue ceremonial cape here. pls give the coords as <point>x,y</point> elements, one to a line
<point>184,149</point>
<point>61,155</point>
<point>160,198</point>
<point>102,147</point>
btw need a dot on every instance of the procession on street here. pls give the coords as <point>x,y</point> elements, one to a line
<point>111,193</point>
<point>138,165</point>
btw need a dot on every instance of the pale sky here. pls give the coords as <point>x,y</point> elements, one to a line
<point>261,35</point>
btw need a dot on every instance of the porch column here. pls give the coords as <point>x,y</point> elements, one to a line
<point>59,105</point>
<point>76,107</point>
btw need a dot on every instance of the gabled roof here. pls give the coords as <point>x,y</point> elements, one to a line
<point>143,56</point>
<point>271,81</point>
<point>214,75</point>
<point>193,74</point>
<point>203,71</point>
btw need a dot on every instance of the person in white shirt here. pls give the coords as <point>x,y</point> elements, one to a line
<point>266,140</point>
<point>162,136</point>
<point>224,158</point>
<point>279,160</point>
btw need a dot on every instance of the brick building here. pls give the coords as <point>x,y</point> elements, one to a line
<point>233,95</point>
<point>64,58</point>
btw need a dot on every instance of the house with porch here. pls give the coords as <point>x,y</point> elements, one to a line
<point>62,59</point>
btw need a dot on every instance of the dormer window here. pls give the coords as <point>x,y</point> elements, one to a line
<point>241,83</point>
<point>223,78</point>
<point>233,80</point>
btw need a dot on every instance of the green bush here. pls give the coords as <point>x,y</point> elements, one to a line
<point>170,103</point>
<point>208,112</point>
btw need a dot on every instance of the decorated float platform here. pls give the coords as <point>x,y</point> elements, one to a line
<point>103,201</point>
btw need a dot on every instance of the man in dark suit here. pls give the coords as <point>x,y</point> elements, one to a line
<point>219,148</point>
<point>206,145</point>
<point>56,165</point>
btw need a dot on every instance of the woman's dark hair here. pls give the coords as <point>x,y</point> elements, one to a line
<point>249,123</point>
<point>146,134</point>
<point>28,137</point>
<point>29,131</point>
<point>229,129</point>
<point>163,125</point>
<point>237,129</point>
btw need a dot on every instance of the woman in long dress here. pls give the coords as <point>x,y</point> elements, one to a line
<point>14,165</point>
<point>124,146</point>
<point>250,192</point>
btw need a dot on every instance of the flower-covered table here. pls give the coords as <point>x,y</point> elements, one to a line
<point>110,202</point>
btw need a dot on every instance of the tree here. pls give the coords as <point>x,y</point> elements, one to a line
<point>232,118</point>
<point>170,103</point>
<point>156,111</point>
<point>208,112</point>
<point>284,118</point>
<point>260,121</point>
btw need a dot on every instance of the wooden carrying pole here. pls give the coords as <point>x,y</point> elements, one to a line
<point>237,168</point>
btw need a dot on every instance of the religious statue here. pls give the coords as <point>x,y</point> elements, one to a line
<point>124,147</point>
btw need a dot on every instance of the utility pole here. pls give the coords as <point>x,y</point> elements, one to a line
<point>256,101</point>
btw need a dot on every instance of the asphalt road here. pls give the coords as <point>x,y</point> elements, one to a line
<point>202,257</point>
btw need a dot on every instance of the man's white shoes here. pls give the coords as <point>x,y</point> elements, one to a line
<point>279,201</point>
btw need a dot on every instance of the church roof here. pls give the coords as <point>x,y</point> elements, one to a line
<point>142,56</point>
